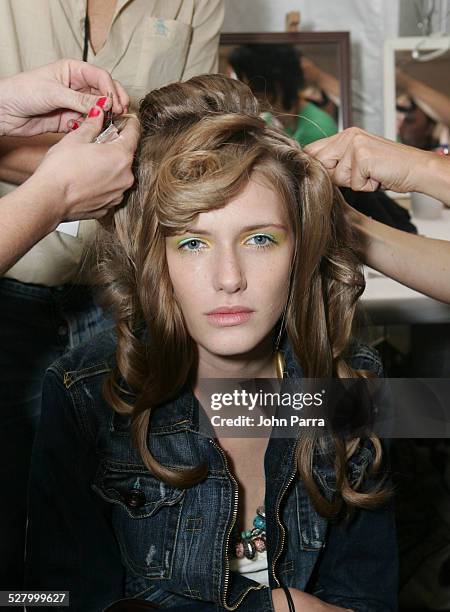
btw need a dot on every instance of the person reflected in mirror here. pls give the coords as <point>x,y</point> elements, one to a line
<point>274,74</point>
<point>414,127</point>
<point>321,87</point>
<point>435,104</point>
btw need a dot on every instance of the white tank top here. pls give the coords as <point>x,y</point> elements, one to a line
<point>255,569</point>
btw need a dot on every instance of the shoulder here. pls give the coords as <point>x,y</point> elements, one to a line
<point>94,358</point>
<point>323,119</point>
<point>72,395</point>
<point>363,357</point>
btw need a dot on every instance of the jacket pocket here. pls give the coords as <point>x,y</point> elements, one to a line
<point>145,514</point>
<point>357,469</point>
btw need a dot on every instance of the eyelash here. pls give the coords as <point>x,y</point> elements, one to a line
<point>271,241</point>
<point>184,243</point>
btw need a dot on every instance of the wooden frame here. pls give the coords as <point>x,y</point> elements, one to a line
<point>341,39</point>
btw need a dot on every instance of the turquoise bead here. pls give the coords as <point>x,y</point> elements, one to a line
<point>259,522</point>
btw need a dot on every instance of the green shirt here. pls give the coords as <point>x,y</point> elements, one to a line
<point>312,124</point>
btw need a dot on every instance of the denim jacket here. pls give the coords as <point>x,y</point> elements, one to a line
<point>102,527</point>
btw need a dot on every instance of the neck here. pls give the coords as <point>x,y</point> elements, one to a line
<point>258,363</point>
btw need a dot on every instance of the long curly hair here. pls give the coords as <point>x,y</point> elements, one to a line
<point>200,142</point>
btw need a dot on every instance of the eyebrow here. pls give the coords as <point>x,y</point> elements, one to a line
<point>248,228</point>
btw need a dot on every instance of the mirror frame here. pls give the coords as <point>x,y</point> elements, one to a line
<point>341,39</point>
<point>391,45</point>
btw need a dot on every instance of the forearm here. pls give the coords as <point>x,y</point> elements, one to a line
<point>438,102</point>
<point>27,215</point>
<point>330,85</point>
<point>416,261</point>
<point>19,156</point>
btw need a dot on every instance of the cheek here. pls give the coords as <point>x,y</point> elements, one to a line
<point>271,283</point>
<point>188,281</point>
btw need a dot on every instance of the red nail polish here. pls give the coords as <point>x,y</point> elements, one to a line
<point>74,125</point>
<point>101,101</point>
<point>94,112</point>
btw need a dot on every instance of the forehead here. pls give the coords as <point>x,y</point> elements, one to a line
<point>257,204</point>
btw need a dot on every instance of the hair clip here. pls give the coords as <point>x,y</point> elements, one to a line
<point>108,119</point>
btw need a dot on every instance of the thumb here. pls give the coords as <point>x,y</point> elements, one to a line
<point>90,128</point>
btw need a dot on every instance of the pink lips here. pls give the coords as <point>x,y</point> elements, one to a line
<point>227,316</point>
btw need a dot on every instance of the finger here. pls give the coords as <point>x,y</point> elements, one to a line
<point>90,128</point>
<point>84,75</point>
<point>129,136</point>
<point>329,151</point>
<point>318,145</point>
<point>362,179</point>
<point>115,202</point>
<point>123,97</point>
<point>73,124</point>
<point>342,173</point>
<point>81,102</point>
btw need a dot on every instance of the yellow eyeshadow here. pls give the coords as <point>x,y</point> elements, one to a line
<point>277,237</point>
<point>178,242</point>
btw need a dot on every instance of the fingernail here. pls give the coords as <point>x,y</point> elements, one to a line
<point>72,124</point>
<point>101,101</point>
<point>94,112</point>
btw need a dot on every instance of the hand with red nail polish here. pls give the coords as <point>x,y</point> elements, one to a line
<point>83,179</point>
<point>40,100</point>
<point>102,101</point>
<point>94,112</point>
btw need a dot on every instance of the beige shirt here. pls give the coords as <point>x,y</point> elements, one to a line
<point>150,43</point>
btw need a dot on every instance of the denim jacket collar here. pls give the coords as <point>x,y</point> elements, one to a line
<point>181,413</point>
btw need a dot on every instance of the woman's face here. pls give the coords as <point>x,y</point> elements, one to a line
<point>230,271</point>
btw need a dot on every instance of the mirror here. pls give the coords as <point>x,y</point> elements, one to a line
<point>302,79</point>
<point>417,92</point>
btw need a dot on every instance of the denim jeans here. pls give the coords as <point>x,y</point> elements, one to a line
<point>37,325</point>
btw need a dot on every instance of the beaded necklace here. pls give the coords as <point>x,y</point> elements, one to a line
<point>251,541</point>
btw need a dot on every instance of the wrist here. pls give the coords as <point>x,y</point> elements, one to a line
<point>364,230</point>
<point>433,176</point>
<point>43,200</point>
<point>279,600</point>
<point>5,95</point>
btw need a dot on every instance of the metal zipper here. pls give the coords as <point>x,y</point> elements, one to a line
<point>230,529</point>
<point>283,531</point>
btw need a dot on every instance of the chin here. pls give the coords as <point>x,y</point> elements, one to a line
<point>231,344</point>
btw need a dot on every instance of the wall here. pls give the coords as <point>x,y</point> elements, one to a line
<point>369,23</point>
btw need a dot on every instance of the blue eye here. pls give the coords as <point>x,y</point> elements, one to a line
<point>261,240</point>
<point>192,245</point>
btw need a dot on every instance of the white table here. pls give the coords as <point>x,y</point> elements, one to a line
<point>387,302</point>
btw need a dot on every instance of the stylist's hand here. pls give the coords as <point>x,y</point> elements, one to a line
<point>365,162</point>
<point>78,179</point>
<point>302,601</point>
<point>45,99</point>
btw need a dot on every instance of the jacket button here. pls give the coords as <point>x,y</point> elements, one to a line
<point>134,498</point>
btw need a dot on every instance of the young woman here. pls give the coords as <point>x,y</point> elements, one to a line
<point>230,259</point>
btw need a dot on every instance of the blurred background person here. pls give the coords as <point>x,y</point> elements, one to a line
<point>274,74</point>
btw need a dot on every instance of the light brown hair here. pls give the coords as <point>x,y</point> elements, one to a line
<point>201,140</point>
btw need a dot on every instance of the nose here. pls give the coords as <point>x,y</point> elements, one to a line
<point>229,274</point>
